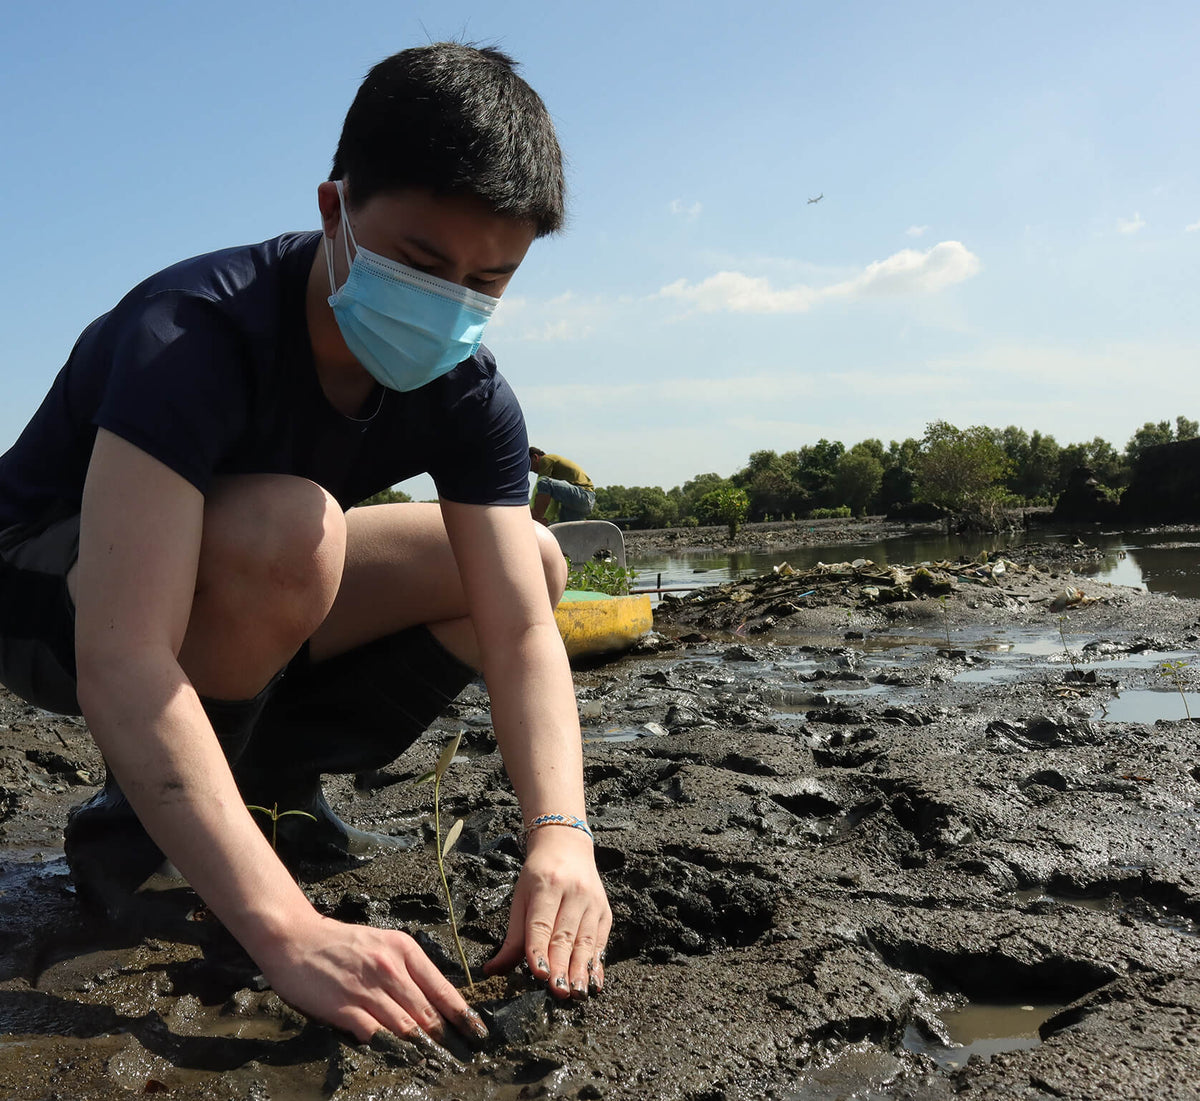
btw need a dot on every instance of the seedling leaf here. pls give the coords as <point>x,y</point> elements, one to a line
<point>448,755</point>
<point>285,813</point>
<point>275,814</point>
<point>425,778</point>
<point>452,835</point>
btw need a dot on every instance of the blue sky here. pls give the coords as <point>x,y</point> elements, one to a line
<point>1009,234</point>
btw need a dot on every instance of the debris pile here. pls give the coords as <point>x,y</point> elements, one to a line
<point>759,603</point>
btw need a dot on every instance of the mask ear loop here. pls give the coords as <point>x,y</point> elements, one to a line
<point>347,241</point>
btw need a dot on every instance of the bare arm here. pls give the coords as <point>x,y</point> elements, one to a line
<point>561,917</point>
<point>134,585</point>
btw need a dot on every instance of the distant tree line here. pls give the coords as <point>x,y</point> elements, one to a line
<point>948,468</point>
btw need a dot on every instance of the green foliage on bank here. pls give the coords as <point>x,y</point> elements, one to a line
<point>388,497</point>
<point>975,468</point>
<point>842,512</point>
<point>726,505</point>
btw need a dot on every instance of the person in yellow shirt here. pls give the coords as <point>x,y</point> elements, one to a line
<point>563,482</point>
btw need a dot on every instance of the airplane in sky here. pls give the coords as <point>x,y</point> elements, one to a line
<point>818,198</point>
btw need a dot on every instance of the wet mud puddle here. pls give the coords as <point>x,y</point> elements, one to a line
<point>978,1028</point>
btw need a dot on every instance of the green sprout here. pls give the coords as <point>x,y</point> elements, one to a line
<point>275,814</point>
<point>1062,633</point>
<point>443,848</point>
<point>1176,670</point>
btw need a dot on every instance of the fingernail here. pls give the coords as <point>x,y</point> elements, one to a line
<point>474,1022</point>
<point>542,965</point>
<point>561,982</point>
<point>578,991</point>
<point>423,1040</point>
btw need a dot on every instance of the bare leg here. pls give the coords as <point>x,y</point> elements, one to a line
<point>270,565</point>
<point>399,572</point>
<point>377,678</point>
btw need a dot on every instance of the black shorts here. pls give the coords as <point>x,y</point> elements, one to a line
<point>37,615</point>
<point>37,640</point>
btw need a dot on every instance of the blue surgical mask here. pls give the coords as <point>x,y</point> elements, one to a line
<point>404,326</point>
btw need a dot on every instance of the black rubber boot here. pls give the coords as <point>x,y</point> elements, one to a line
<point>353,713</point>
<point>108,850</point>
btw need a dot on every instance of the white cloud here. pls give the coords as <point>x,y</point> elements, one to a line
<point>915,231</point>
<point>1130,225</point>
<point>686,210</point>
<point>564,317</point>
<point>906,272</point>
<point>1193,227</point>
<point>733,292</point>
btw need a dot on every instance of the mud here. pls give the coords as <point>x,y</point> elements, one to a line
<point>782,535</point>
<point>833,827</point>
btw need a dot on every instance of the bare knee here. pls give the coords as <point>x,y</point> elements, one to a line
<point>554,565</point>
<point>271,559</point>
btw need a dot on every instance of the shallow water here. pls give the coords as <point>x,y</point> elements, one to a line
<point>1167,563</point>
<point>1148,705</point>
<point>984,1029</point>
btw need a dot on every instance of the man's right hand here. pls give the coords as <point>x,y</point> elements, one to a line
<point>362,979</point>
<point>179,593</point>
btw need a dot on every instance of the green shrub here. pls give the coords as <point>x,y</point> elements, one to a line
<point>726,505</point>
<point>387,497</point>
<point>842,512</point>
<point>600,577</point>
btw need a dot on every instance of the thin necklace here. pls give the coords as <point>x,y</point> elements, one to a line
<point>364,421</point>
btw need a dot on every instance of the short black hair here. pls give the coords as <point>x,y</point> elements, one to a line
<point>456,120</point>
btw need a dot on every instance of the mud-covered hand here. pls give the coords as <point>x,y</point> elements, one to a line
<point>560,917</point>
<point>361,979</point>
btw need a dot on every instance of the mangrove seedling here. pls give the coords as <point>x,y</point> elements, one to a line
<point>1176,670</point>
<point>443,848</point>
<point>274,814</point>
<point>945,617</point>
<point>1062,633</point>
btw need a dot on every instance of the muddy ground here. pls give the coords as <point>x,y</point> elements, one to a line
<point>782,535</point>
<point>838,816</point>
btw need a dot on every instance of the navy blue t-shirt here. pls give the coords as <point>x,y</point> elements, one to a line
<point>207,367</point>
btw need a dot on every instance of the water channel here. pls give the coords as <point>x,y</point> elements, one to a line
<point>1162,562</point>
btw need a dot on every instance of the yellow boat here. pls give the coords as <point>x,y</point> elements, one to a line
<point>596,623</point>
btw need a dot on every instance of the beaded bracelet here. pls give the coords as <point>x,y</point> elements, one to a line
<point>559,820</point>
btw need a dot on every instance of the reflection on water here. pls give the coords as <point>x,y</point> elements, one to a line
<point>1148,705</point>
<point>1160,562</point>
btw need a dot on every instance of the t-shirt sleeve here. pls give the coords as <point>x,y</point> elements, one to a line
<point>485,458</point>
<point>177,388</point>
